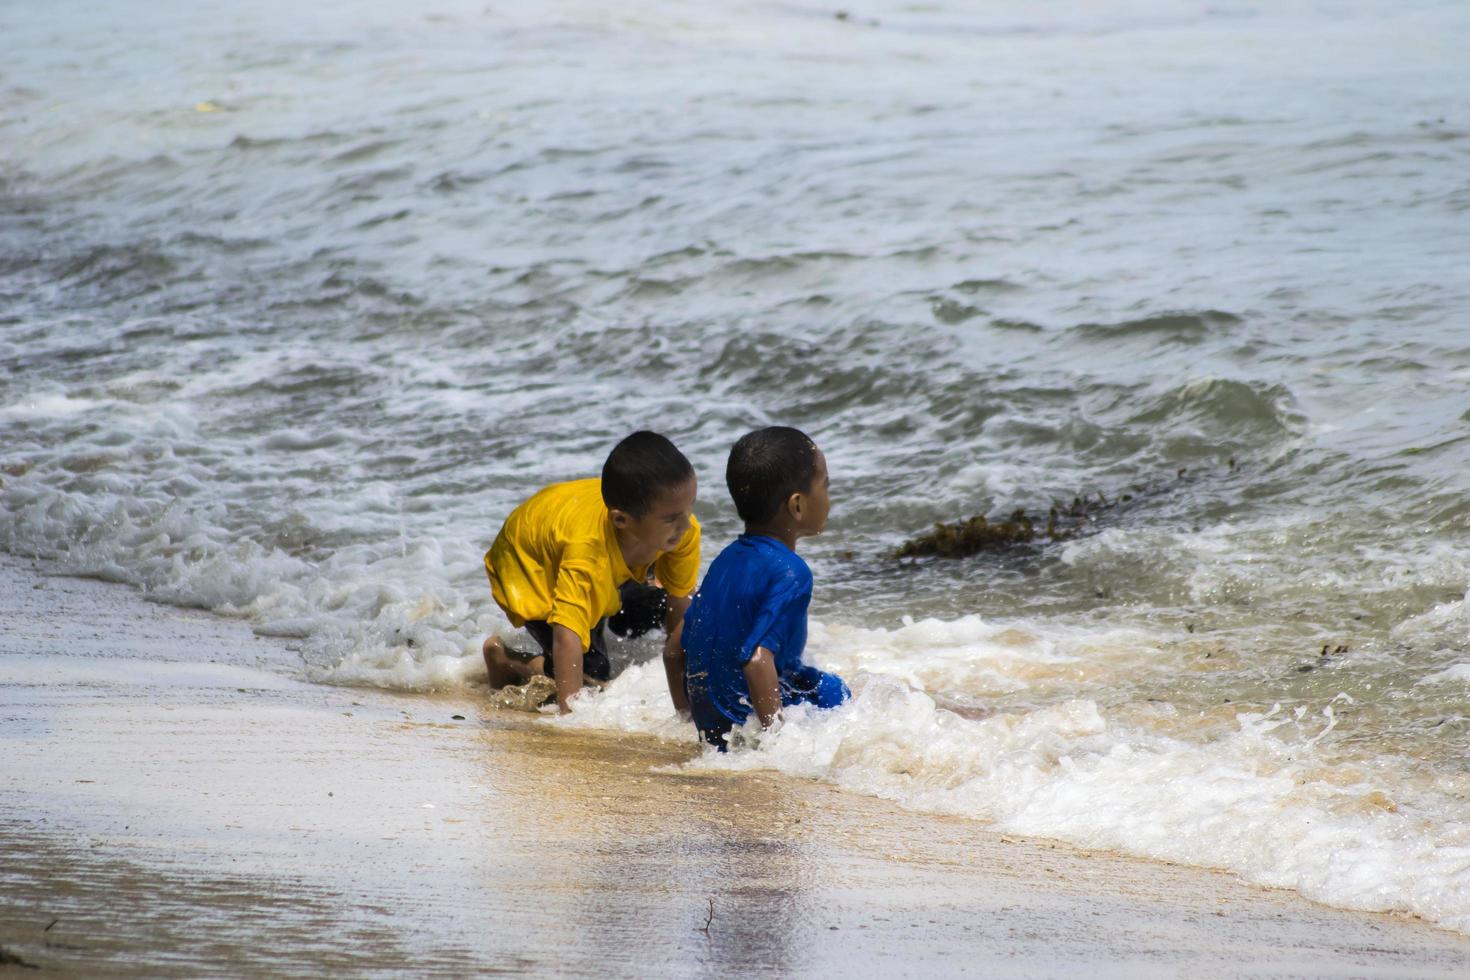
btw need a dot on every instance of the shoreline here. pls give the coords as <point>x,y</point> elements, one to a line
<point>177,802</point>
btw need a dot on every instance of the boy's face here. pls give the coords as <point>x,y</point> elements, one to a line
<point>663,525</point>
<point>816,503</point>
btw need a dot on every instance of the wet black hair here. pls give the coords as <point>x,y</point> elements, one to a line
<point>766,467</point>
<point>639,468</point>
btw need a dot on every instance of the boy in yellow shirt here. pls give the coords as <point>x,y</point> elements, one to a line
<point>564,558</point>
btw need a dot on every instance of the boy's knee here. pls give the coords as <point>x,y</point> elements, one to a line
<point>808,685</point>
<point>494,653</point>
<point>831,691</point>
<point>495,662</point>
<point>503,669</point>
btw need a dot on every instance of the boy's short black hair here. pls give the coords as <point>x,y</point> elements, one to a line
<point>640,468</point>
<point>766,467</point>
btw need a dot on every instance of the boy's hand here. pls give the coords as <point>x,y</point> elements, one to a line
<point>765,686</point>
<point>674,670</point>
<point>566,663</point>
<point>674,653</point>
<point>674,617</point>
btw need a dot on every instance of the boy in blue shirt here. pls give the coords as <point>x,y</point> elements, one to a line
<point>746,629</point>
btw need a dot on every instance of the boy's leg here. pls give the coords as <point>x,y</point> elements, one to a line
<point>506,666</point>
<point>594,662</point>
<point>831,691</point>
<point>716,737</point>
<point>711,723</point>
<point>812,686</point>
<point>644,609</point>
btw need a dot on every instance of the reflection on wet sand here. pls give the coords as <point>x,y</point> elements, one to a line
<point>633,854</point>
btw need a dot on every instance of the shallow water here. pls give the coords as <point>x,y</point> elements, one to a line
<point>295,305</point>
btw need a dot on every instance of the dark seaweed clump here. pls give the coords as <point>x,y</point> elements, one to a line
<point>979,533</point>
<point>1064,521</point>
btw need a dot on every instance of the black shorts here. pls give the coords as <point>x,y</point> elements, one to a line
<point>594,662</point>
<point>644,607</point>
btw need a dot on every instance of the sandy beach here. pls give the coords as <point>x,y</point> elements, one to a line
<point>175,801</point>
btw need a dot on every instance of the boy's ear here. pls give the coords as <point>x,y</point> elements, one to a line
<point>620,518</point>
<point>795,504</point>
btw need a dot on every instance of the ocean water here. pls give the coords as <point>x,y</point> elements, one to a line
<point>296,303</point>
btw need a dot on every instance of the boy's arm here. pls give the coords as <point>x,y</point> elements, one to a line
<point>765,686</point>
<point>674,651</point>
<point>566,660</point>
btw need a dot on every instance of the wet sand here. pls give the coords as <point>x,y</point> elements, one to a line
<point>175,801</point>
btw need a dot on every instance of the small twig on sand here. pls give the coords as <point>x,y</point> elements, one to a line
<point>53,922</point>
<point>707,919</point>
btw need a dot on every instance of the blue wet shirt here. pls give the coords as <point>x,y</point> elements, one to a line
<point>755,594</point>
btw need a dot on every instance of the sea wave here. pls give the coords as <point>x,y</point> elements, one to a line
<point>1260,798</point>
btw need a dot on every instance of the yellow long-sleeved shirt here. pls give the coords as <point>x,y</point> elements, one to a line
<point>557,559</point>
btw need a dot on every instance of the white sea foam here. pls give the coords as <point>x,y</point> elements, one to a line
<point>1261,801</point>
<point>972,657</point>
<point>1444,619</point>
<point>48,406</point>
<point>1459,673</point>
<point>396,617</point>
